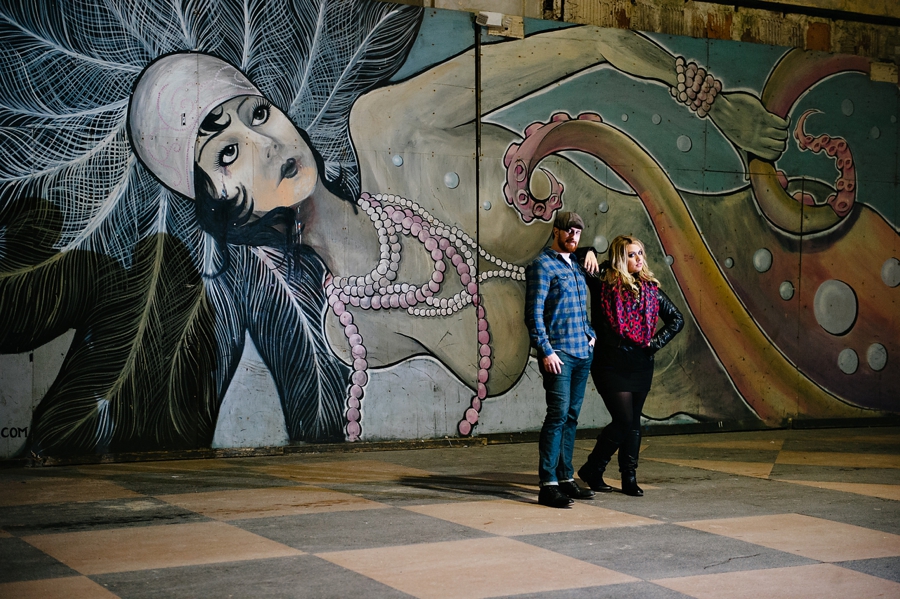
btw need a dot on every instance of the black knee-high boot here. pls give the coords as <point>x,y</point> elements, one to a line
<point>592,471</point>
<point>628,462</point>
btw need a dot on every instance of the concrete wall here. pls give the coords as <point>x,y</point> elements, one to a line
<point>134,322</point>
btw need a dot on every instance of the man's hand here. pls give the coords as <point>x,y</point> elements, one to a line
<point>590,263</point>
<point>552,363</point>
<point>592,342</point>
<point>748,125</point>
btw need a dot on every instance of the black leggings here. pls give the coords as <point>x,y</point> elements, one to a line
<point>625,409</point>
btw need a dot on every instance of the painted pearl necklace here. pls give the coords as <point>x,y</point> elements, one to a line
<point>393,216</point>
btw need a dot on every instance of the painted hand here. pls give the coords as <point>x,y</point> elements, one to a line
<point>748,125</point>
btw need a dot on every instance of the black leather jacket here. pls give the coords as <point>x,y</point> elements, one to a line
<point>671,316</point>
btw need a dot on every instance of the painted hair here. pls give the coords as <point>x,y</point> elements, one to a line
<point>618,259</point>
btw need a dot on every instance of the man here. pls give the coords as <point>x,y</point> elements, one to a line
<point>556,316</point>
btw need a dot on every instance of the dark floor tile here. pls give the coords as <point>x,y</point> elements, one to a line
<point>663,551</point>
<point>20,561</point>
<point>166,483</point>
<point>433,489</point>
<point>883,567</point>
<point>92,515</point>
<point>840,474</point>
<point>301,577</point>
<point>632,590</point>
<point>363,529</point>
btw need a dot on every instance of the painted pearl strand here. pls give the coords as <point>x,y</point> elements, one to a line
<point>393,216</point>
<point>696,88</point>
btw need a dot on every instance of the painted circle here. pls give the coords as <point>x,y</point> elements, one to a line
<point>847,107</point>
<point>684,143</point>
<point>835,306</point>
<point>876,356</point>
<point>786,290</point>
<point>624,117</point>
<point>656,119</point>
<point>875,133</point>
<point>848,361</point>
<point>486,205</point>
<point>451,180</point>
<point>603,207</point>
<point>890,272</point>
<point>762,260</point>
<point>729,262</point>
<point>397,160</point>
<point>601,244</point>
<point>670,260</point>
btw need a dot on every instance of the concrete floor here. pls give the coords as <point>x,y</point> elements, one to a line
<point>775,514</point>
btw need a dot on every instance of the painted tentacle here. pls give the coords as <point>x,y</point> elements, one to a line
<point>797,72</point>
<point>522,159</point>
<point>841,201</point>
<point>734,336</point>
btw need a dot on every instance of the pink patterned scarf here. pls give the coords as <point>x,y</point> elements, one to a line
<point>631,317</point>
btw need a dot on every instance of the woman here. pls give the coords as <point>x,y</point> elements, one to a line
<point>626,305</point>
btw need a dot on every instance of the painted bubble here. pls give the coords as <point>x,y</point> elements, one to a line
<point>875,133</point>
<point>762,260</point>
<point>670,259</point>
<point>624,117</point>
<point>876,356</point>
<point>893,118</point>
<point>486,205</point>
<point>397,160</point>
<point>603,207</point>
<point>684,143</point>
<point>847,107</point>
<point>786,290</point>
<point>451,180</point>
<point>729,262</point>
<point>601,244</point>
<point>848,361</point>
<point>835,306</point>
<point>890,272</point>
<point>656,119</point>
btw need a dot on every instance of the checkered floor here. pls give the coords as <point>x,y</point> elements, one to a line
<point>772,514</point>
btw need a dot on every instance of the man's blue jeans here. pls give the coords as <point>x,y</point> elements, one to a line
<point>565,393</point>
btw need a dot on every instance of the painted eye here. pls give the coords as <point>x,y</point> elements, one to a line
<point>260,115</point>
<point>228,155</point>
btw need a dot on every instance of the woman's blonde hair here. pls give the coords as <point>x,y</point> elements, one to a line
<point>618,259</point>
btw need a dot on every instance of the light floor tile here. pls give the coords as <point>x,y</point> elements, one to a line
<point>838,459</point>
<point>751,445</point>
<point>815,538</point>
<point>345,471</point>
<point>268,502</point>
<point>509,518</point>
<point>58,490</point>
<point>473,569</point>
<point>872,490</point>
<point>148,547</point>
<point>73,587</point>
<point>754,469</point>
<point>818,581</point>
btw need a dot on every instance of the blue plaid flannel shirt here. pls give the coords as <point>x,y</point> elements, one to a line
<point>556,306</point>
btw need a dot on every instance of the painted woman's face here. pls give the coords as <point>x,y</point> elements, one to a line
<point>634,253</point>
<point>259,151</point>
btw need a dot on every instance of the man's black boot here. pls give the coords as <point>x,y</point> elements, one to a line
<point>551,496</point>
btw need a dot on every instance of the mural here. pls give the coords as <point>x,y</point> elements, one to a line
<point>307,186</point>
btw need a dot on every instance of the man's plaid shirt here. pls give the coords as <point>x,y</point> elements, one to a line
<point>556,306</point>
